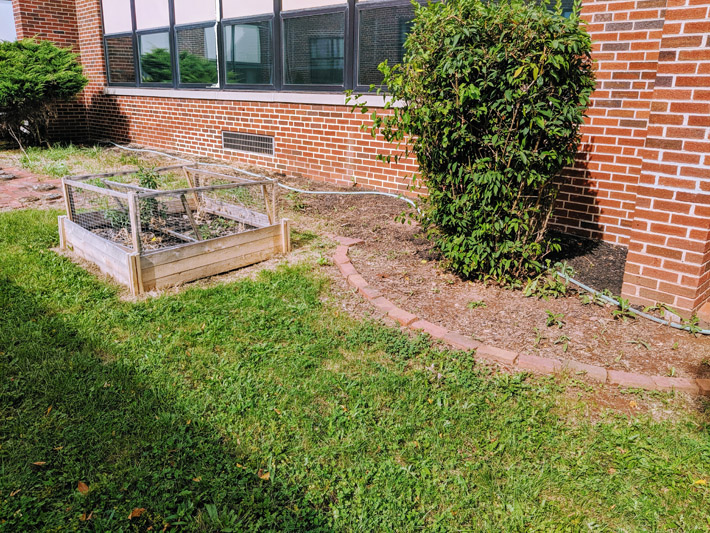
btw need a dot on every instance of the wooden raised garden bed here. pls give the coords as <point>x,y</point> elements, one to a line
<point>148,238</point>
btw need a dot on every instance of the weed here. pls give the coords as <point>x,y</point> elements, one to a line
<point>624,310</point>
<point>564,341</point>
<point>639,342</point>
<point>296,199</point>
<point>554,319</point>
<point>476,304</point>
<point>692,325</point>
<point>671,372</point>
<point>323,261</point>
<point>661,308</point>
<point>588,298</point>
<point>550,284</point>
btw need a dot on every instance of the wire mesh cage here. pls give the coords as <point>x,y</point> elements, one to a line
<point>153,209</point>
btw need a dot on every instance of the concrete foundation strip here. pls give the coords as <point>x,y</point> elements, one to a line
<point>506,358</point>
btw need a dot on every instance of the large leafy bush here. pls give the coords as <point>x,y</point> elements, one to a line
<point>34,77</point>
<point>490,98</point>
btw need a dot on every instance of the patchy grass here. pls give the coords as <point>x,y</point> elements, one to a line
<point>69,159</point>
<point>255,406</point>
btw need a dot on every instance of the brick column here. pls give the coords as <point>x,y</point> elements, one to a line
<point>669,247</point>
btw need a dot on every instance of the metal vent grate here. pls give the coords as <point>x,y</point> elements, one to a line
<point>247,142</point>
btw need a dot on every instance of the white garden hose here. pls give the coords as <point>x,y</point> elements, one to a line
<point>613,301</point>
<point>598,294</point>
<point>359,193</point>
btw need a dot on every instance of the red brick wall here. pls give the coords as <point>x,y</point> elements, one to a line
<point>669,248</point>
<point>321,142</point>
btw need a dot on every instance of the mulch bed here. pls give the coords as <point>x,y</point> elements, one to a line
<point>397,259</point>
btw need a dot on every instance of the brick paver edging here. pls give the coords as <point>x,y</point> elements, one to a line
<point>506,358</point>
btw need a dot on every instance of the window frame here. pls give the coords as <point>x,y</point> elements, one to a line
<point>277,18</point>
<point>347,29</point>
<point>266,17</point>
<point>106,38</point>
<point>173,67</point>
<point>194,26</point>
<point>359,8</point>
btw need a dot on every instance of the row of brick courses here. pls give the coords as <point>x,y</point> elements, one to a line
<point>640,179</point>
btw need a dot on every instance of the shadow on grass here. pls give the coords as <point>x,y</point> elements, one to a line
<point>70,413</point>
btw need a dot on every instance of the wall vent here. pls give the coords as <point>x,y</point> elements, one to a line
<point>247,142</point>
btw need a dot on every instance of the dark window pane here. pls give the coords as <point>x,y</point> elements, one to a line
<point>155,58</point>
<point>121,62</point>
<point>382,35</point>
<point>314,49</point>
<point>248,53</point>
<point>197,52</point>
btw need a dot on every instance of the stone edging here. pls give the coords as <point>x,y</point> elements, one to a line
<point>506,358</point>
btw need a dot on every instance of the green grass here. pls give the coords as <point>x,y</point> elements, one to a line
<point>61,160</point>
<point>181,404</point>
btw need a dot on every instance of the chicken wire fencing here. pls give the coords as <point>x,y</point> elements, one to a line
<point>162,208</point>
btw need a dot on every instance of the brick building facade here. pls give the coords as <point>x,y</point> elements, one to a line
<point>642,177</point>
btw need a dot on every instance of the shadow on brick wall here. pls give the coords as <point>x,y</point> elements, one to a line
<point>106,120</point>
<point>577,209</point>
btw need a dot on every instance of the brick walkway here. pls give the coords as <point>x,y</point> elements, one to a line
<point>27,190</point>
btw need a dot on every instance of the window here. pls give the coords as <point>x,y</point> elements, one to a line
<point>7,21</point>
<point>314,49</point>
<point>119,41</point>
<point>297,45</point>
<point>248,53</point>
<point>197,55</point>
<point>121,59</point>
<point>155,60</point>
<point>381,35</point>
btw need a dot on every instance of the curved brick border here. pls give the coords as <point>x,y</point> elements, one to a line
<point>513,360</point>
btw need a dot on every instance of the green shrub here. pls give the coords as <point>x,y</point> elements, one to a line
<point>34,76</point>
<point>493,96</point>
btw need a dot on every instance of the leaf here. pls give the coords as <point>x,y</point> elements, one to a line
<point>84,517</point>
<point>263,475</point>
<point>135,513</point>
<point>82,487</point>
<point>700,482</point>
<point>39,463</point>
<point>49,410</point>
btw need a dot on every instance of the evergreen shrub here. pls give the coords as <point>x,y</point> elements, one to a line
<point>34,77</point>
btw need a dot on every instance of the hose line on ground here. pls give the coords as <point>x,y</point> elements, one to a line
<point>596,293</point>
<point>359,193</point>
<point>613,301</point>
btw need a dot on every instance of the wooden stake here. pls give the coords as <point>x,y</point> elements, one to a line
<point>68,199</point>
<point>190,217</point>
<point>134,217</point>
<point>266,204</point>
<point>285,235</point>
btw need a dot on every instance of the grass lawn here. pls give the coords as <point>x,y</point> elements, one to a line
<point>255,405</point>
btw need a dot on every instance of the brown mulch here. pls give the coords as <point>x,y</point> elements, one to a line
<point>397,259</point>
